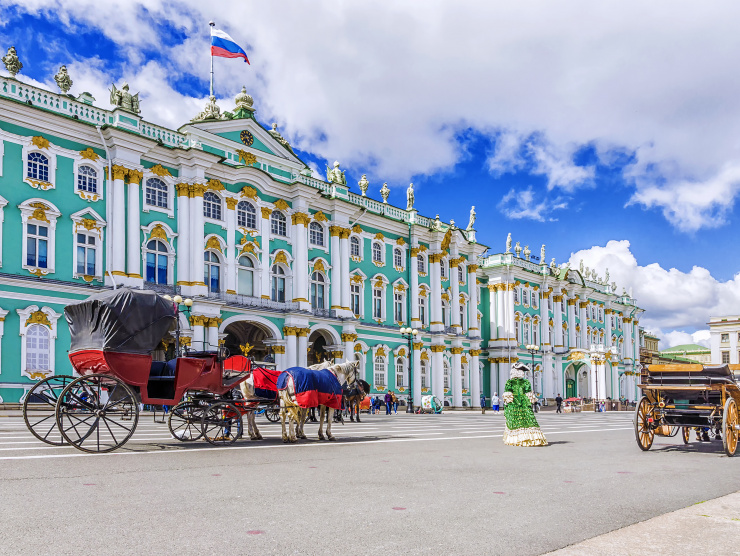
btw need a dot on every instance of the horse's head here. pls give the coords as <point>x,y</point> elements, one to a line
<point>350,370</point>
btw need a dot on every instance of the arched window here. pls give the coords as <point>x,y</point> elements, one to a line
<point>246,215</point>
<point>377,253</point>
<point>525,296</point>
<point>156,262</point>
<point>211,205</point>
<point>397,258</point>
<point>212,272</point>
<point>354,246</point>
<point>399,373</point>
<point>317,290</point>
<point>87,179</point>
<point>37,245</point>
<point>156,193</point>
<point>421,264</point>
<point>460,274</point>
<point>316,234</point>
<point>245,282</point>
<point>463,375</point>
<point>356,299</point>
<point>424,374</point>
<point>38,357</point>
<point>379,368</point>
<point>446,371</point>
<point>278,284</point>
<point>38,167</point>
<point>278,224</point>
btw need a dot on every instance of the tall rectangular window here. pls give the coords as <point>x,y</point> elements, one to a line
<point>725,357</point>
<point>724,338</point>
<point>423,310</point>
<point>36,245</point>
<point>377,303</point>
<point>398,306</point>
<point>355,299</point>
<point>399,373</point>
<point>86,254</point>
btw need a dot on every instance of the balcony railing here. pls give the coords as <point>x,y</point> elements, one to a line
<point>319,312</point>
<point>162,288</point>
<point>257,302</point>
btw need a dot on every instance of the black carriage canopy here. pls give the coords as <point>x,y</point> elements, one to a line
<point>123,320</point>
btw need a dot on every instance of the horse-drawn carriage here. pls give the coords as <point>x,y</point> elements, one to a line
<point>113,336</point>
<point>679,397</point>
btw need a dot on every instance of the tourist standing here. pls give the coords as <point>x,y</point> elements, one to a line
<point>495,402</point>
<point>395,403</point>
<point>559,402</point>
<point>388,401</point>
<point>482,403</point>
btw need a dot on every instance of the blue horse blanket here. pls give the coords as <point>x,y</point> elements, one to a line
<point>313,388</point>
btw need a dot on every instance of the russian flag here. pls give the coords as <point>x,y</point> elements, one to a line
<point>223,45</point>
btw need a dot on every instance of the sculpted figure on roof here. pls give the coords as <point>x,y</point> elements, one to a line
<point>279,138</point>
<point>123,99</point>
<point>11,61</point>
<point>335,175</point>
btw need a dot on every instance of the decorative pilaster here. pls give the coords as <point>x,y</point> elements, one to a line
<point>436,302</point>
<point>416,353</point>
<point>291,346</point>
<point>438,384</point>
<point>302,335</point>
<point>501,332</point>
<point>133,247</point>
<point>510,323</point>
<point>414,287</point>
<point>183,237</point>
<point>266,267</point>
<point>493,328</point>
<point>455,302</point>
<point>456,382</point>
<point>336,268</point>
<point>344,252</point>
<point>557,311</point>
<point>231,244</point>
<point>117,231</point>
<point>571,323</point>
<point>197,323</point>
<point>473,330</point>
<point>583,315</point>
<point>349,339</point>
<point>544,321</point>
<point>197,237</point>
<point>607,328</point>
<point>474,370</point>
<point>300,265</point>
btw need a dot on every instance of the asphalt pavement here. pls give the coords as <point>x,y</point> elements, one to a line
<point>419,484</point>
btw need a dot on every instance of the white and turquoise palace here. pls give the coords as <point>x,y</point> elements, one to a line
<point>279,263</point>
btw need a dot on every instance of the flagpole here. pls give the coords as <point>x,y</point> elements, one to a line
<point>212,25</point>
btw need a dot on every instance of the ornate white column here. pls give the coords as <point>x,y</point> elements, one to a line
<point>456,382</point>
<point>545,320</point>
<point>344,252</point>
<point>510,323</point>
<point>627,332</point>
<point>455,302</point>
<point>231,244</point>
<point>197,236</point>
<point>607,328</point>
<point>548,388</point>
<point>117,229</point>
<point>504,370</point>
<point>438,384</point>
<point>436,301</point>
<point>557,311</point>
<point>302,334</point>
<point>183,234</point>
<point>583,315</point>
<point>133,221</point>
<point>212,328</point>
<point>291,346</point>
<point>280,359</point>
<point>492,326</point>
<point>572,323</point>
<point>501,333</point>
<point>266,266</point>
<point>636,342</point>
<point>336,268</point>
<point>417,372</point>
<point>300,260</point>
<point>414,287</point>
<point>197,323</point>
<point>473,329</point>
<point>349,337</point>
<point>474,370</point>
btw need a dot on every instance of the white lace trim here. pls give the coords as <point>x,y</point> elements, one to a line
<point>531,436</point>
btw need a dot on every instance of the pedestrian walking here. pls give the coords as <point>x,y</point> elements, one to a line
<point>395,403</point>
<point>559,403</point>
<point>482,403</point>
<point>495,402</point>
<point>388,402</point>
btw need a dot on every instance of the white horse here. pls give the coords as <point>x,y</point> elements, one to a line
<point>344,372</point>
<point>248,393</point>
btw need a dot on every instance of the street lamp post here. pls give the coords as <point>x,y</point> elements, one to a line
<point>410,334</point>
<point>532,349</point>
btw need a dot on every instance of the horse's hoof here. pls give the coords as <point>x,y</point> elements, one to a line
<point>293,440</point>
<point>321,437</point>
<point>332,439</point>
<point>258,437</point>
<point>285,440</point>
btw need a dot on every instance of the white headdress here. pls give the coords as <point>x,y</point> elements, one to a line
<point>518,370</point>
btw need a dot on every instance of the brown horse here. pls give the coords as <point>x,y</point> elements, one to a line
<point>353,395</point>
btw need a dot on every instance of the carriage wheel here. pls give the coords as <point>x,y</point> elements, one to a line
<point>685,434</point>
<point>643,433</point>
<point>185,421</point>
<point>272,414</point>
<point>90,421</point>
<point>39,409</point>
<point>730,427</point>
<point>221,423</point>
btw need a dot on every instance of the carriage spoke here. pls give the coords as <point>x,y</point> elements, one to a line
<point>110,397</point>
<point>105,422</point>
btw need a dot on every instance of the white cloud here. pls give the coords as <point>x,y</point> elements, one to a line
<point>524,204</point>
<point>384,88</point>
<point>678,338</point>
<point>674,301</point>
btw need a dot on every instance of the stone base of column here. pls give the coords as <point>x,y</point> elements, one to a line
<point>130,281</point>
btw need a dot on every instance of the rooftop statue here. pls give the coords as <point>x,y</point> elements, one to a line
<point>279,138</point>
<point>12,63</point>
<point>508,243</point>
<point>363,184</point>
<point>471,221</point>
<point>437,224</point>
<point>125,100</point>
<point>606,276</point>
<point>335,175</point>
<point>527,252</point>
<point>410,197</point>
<point>384,192</point>
<point>580,266</point>
<point>518,249</point>
<point>552,263</point>
<point>542,254</point>
<point>210,112</point>
<point>64,81</point>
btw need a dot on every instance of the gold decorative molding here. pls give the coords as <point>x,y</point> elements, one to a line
<point>38,317</point>
<point>159,170</point>
<point>135,176</point>
<point>456,351</point>
<point>424,356</point>
<point>281,204</point>
<point>197,320</point>
<point>349,337</point>
<point>89,154</point>
<point>414,251</point>
<point>358,348</point>
<point>475,352</point>
<point>231,203</point>
<point>417,345</point>
<point>158,232</point>
<point>214,243</point>
<point>40,142</point>
<point>472,268</point>
<point>380,352</point>
<point>400,241</point>
<point>345,233</point>
<point>281,257</point>
<point>337,354</point>
<point>197,190</point>
<point>215,185</point>
<point>301,332</point>
<point>379,283</point>
<point>357,229</point>
<point>183,189</point>
<point>289,330</point>
<point>300,218</point>
<point>280,350</point>
<point>249,192</point>
<point>438,349</point>
<point>266,212</point>
<point>379,236</point>
<point>320,217</point>
<point>246,157</point>
<point>399,288</point>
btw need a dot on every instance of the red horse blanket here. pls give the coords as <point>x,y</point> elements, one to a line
<point>265,382</point>
<point>313,388</point>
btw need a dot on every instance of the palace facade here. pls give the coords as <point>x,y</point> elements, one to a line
<point>279,263</point>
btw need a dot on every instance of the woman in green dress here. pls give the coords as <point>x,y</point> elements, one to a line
<point>521,428</point>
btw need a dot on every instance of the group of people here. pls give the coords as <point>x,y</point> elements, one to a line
<point>391,403</point>
<point>495,402</point>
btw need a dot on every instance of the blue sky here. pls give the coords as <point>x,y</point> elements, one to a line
<point>557,128</point>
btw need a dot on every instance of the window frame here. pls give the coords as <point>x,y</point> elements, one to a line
<point>31,215</point>
<point>220,264</point>
<point>157,253</point>
<point>247,214</point>
<point>275,280</point>
<point>380,246</point>
<point>315,228</point>
<point>398,259</point>
<point>275,216</point>
<point>360,301</point>
<point>355,238</point>
<point>213,207</point>
<point>318,280</point>
<point>52,317</point>
<point>383,361</point>
<point>251,269</point>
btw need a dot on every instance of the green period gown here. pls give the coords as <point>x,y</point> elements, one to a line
<point>522,428</point>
